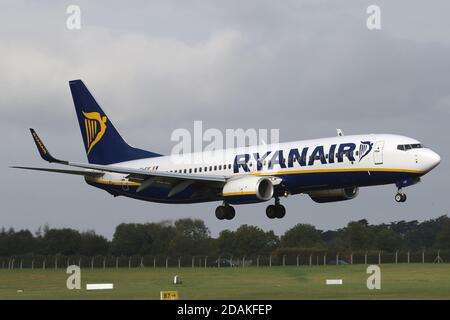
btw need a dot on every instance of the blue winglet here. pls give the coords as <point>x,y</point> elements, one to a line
<point>43,151</point>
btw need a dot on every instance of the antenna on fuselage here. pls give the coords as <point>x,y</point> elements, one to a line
<point>340,133</point>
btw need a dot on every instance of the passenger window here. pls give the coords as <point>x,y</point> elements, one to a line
<point>200,169</point>
<point>220,167</point>
<point>229,166</point>
<point>215,168</point>
<point>195,170</point>
<point>210,168</point>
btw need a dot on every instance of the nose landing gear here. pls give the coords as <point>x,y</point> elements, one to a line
<point>400,196</point>
<point>276,211</point>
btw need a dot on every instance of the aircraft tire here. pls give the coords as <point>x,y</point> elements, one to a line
<point>280,211</point>
<point>271,212</point>
<point>221,212</point>
<point>229,212</point>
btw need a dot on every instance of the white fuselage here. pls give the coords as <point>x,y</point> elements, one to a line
<point>342,161</point>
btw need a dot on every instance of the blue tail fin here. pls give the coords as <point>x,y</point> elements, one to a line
<point>103,143</point>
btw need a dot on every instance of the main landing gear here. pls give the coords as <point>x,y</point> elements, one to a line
<point>225,212</point>
<point>400,196</point>
<point>276,211</point>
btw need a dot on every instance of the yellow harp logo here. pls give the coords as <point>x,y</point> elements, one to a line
<point>95,126</point>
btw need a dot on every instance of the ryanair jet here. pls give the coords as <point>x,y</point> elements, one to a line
<point>329,169</point>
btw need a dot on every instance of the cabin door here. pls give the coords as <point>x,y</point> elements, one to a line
<point>378,152</point>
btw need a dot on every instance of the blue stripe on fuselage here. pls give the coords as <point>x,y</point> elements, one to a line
<point>297,183</point>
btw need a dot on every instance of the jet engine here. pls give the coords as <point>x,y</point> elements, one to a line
<point>248,189</point>
<point>331,195</point>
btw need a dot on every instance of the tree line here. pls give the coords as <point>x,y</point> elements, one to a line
<point>191,237</point>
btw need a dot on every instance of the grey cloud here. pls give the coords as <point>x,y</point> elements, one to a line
<point>305,67</point>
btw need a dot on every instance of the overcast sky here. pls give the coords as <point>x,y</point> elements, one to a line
<point>305,67</point>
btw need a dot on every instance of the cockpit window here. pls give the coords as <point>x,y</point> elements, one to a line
<point>405,147</point>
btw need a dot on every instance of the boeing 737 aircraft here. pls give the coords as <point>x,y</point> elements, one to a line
<point>329,169</point>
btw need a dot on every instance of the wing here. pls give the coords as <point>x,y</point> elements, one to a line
<point>93,174</point>
<point>142,174</point>
<point>176,181</point>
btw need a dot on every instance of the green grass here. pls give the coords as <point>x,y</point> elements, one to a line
<point>403,281</point>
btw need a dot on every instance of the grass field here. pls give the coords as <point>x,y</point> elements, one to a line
<point>402,281</point>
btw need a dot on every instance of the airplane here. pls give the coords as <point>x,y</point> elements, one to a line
<point>328,169</point>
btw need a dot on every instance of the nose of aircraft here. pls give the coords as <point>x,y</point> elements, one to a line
<point>431,159</point>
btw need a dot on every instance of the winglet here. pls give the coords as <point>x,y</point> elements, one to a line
<point>43,151</point>
<point>340,133</point>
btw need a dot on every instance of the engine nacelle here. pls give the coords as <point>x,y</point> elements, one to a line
<point>331,195</point>
<point>248,189</point>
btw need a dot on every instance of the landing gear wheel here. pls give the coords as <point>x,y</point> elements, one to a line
<point>271,211</point>
<point>400,197</point>
<point>229,212</point>
<point>280,211</point>
<point>275,211</point>
<point>221,212</point>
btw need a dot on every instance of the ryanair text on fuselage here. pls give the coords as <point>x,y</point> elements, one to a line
<point>303,157</point>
